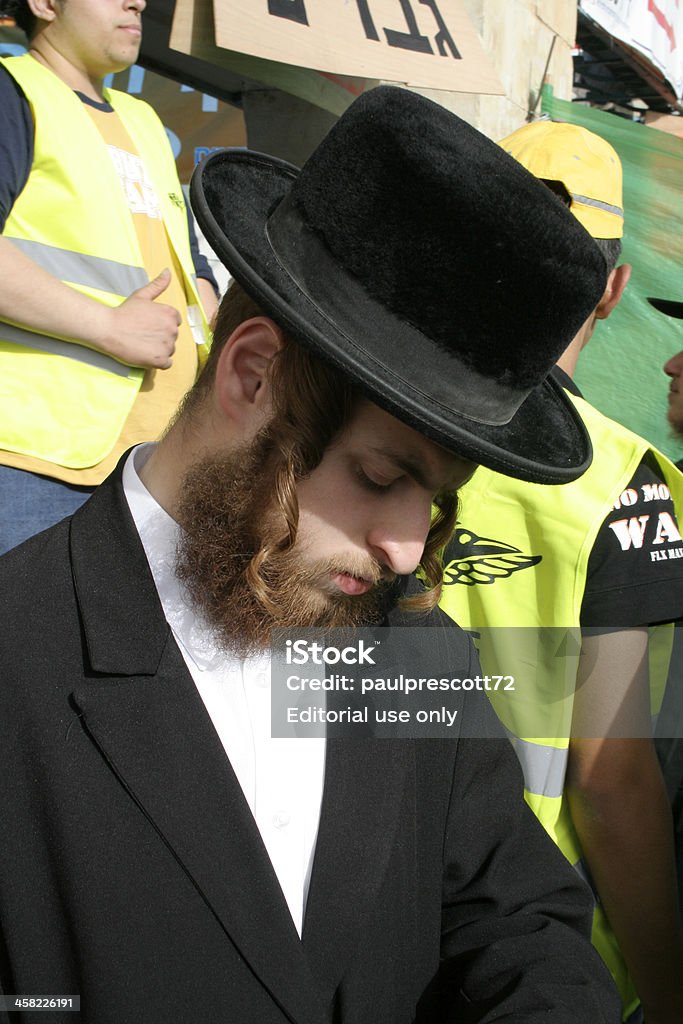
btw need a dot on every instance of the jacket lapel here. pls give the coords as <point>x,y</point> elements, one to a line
<point>143,711</point>
<point>365,782</point>
<point>366,790</point>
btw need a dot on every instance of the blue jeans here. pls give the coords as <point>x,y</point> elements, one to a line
<point>30,503</point>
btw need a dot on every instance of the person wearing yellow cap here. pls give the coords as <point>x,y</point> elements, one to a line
<point>591,567</point>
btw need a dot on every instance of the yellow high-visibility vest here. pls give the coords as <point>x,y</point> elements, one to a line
<point>61,401</point>
<point>518,562</point>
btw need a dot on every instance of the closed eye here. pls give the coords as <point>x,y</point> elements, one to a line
<point>369,484</point>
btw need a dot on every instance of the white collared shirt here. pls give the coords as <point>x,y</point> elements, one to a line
<point>282,779</point>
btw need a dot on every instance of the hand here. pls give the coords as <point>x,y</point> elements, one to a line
<point>142,332</point>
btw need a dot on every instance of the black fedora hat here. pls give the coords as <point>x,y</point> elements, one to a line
<point>426,264</point>
<point>668,306</point>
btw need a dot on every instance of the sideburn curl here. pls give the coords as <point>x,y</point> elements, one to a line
<point>313,404</point>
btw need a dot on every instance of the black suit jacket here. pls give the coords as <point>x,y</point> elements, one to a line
<point>132,872</point>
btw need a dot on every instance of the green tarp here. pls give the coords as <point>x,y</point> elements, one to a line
<point>620,370</point>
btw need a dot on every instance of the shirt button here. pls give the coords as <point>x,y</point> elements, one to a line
<point>262,680</point>
<point>281,820</point>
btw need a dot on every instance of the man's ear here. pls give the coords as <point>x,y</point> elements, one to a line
<point>242,389</point>
<point>616,283</point>
<point>44,10</point>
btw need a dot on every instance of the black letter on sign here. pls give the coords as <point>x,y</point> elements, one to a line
<point>443,36</point>
<point>293,10</point>
<point>411,40</point>
<point>366,18</point>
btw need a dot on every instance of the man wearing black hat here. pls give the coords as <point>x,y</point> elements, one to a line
<point>164,858</point>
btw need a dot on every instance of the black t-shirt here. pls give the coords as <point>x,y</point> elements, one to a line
<point>635,569</point>
<point>16,143</point>
<point>16,158</point>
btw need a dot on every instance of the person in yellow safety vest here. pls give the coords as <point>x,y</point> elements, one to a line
<point>104,297</point>
<point>589,566</point>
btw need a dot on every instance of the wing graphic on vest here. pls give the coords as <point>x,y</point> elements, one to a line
<point>470,559</point>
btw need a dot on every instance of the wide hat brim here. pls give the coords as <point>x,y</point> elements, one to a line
<point>234,194</point>
<point>668,306</point>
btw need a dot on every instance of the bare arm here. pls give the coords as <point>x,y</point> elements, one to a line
<point>138,332</point>
<point>623,819</point>
<point>208,298</point>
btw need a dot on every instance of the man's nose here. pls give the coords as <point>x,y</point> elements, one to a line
<point>674,366</point>
<point>397,542</point>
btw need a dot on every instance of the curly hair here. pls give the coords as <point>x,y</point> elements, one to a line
<point>312,404</point>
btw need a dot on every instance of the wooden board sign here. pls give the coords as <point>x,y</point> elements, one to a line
<point>424,43</point>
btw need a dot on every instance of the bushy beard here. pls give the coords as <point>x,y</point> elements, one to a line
<point>227,514</point>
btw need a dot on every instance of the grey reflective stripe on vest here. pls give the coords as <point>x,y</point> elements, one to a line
<point>87,271</point>
<point>64,348</point>
<point>544,768</point>
<point>585,201</point>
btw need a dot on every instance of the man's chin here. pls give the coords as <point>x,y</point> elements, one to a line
<point>250,636</point>
<point>675,419</point>
<point>243,626</point>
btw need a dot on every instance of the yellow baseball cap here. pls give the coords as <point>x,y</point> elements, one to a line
<point>584,163</point>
